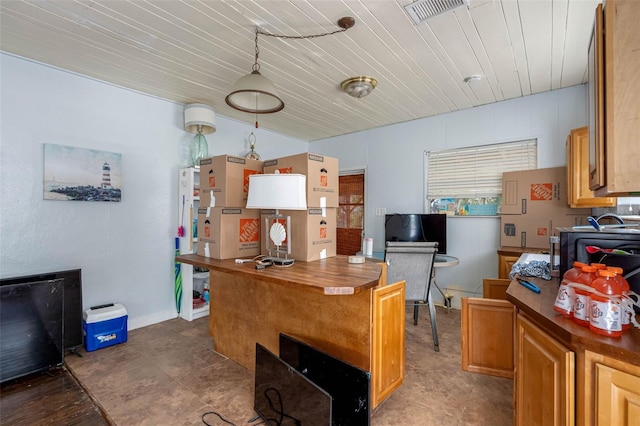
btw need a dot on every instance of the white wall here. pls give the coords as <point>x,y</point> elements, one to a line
<point>393,157</point>
<point>125,249</point>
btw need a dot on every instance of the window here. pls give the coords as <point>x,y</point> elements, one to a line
<point>468,181</point>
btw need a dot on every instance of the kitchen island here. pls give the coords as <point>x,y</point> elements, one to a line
<point>346,310</point>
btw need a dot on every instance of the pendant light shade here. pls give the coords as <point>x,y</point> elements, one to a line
<point>201,120</point>
<point>256,94</point>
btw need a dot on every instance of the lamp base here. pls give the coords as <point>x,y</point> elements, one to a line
<point>278,261</point>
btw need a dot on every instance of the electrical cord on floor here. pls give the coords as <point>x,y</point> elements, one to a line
<point>225,420</point>
<point>217,414</point>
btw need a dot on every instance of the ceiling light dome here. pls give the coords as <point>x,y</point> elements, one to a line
<point>360,86</point>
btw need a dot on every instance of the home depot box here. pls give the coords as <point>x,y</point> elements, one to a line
<point>322,176</point>
<point>104,325</point>
<point>228,232</point>
<point>534,231</point>
<point>539,192</point>
<point>313,233</point>
<point>224,180</point>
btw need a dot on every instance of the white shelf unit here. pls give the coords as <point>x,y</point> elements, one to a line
<point>188,190</point>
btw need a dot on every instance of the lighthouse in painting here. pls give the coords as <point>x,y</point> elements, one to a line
<point>106,176</point>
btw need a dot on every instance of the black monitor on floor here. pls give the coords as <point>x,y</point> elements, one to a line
<point>285,397</point>
<point>349,386</point>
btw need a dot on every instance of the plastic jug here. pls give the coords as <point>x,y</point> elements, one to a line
<point>606,309</point>
<point>582,289</point>
<point>566,295</point>
<point>627,307</point>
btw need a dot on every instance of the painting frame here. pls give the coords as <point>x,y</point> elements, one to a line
<point>81,174</point>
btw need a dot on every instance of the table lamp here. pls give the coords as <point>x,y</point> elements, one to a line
<point>278,191</point>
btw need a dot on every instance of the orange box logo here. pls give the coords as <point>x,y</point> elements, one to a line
<point>323,233</point>
<point>541,192</point>
<point>247,173</point>
<point>212,181</point>
<point>249,230</point>
<point>286,170</point>
<point>207,232</point>
<point>543,232</point>
<point>324,180</point>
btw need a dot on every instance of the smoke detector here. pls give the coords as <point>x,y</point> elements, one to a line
<point>422,10</point>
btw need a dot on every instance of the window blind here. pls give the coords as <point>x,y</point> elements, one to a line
<point>476,171</point>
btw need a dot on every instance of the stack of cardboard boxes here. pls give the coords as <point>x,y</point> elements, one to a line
<point>227,229</point>
<point>313,231</point>
<point>534,204</point>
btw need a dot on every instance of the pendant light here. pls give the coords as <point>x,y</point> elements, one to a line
<point>255,93</point>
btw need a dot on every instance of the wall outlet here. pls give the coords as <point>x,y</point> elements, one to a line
<point>381,211</point>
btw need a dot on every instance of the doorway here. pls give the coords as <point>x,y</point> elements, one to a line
<point>350,220</point>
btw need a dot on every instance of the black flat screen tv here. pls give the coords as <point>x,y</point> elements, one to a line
<point>72,313</point>
<point>349,386</point>
<point>285,397</point>
<point>31,327</point>
<point>417,228</point>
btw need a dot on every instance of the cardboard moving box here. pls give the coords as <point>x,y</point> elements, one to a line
<point>534,231</point>
<point>322,176</point>
<point>228,232</point>
<point>224,180</point>
<point>539,192</point>
<point>313,233</point>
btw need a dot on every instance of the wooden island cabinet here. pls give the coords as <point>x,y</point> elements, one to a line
<point>346,310</point>
<point>564,373</point>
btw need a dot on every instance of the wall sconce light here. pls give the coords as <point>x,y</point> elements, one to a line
<point>201,120</point>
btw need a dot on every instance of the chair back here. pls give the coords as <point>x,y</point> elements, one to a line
<point>413,263</point>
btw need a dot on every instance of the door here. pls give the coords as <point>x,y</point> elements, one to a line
<point>350,221</point>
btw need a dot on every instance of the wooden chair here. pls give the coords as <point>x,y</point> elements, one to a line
<point>413,263</point>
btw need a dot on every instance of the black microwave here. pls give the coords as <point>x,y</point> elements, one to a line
<point>573,247</point>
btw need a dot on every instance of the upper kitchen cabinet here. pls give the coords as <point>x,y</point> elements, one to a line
<point>614,99</point>
<point>578,192</point>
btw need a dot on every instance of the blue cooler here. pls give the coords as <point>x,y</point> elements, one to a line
<point>104,325</point>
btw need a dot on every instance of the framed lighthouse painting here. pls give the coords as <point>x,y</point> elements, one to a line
<point>81,174</point>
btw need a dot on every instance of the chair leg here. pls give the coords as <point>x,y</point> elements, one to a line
<point>415,313</point>
<point>432,318</point>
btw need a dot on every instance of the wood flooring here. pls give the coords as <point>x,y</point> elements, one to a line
<point>48,398</point>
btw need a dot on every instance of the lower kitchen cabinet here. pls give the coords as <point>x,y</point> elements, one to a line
<point>564,373</point>
<point>608,391</point>
<point>545,378</point>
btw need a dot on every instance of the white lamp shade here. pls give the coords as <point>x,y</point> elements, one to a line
<point>287,191</point>
<point>202,115</point>
<point>255,94</point>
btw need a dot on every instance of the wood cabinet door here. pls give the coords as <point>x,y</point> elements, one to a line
<point>545,377</point>
<point>495,288</point>
<point>609,391</point>
<point>487,336</point>
<point>578,190</point>
<point>387,357</point>
<point>505,263</point>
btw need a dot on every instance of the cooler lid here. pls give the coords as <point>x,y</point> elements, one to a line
<point>104,312</point>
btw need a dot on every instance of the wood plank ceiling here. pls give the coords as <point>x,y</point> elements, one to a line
<point>194,51</point>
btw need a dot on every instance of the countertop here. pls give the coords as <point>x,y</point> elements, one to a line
<point>539,307</point>
<point>331,276</point>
